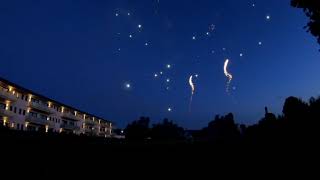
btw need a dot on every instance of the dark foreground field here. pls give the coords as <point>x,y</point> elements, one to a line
<point>52,156</point>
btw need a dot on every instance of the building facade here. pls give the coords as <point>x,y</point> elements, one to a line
<point>22,109</point>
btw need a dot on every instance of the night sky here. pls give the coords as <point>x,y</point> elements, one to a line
<point>122,59</point>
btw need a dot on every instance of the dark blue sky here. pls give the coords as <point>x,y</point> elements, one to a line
<point>81,53</point>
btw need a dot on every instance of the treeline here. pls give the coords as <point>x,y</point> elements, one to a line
<point>299,122</point>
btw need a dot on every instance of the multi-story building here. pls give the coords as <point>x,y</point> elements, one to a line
<point>23,109</point>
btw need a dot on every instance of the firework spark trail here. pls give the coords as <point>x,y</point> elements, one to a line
<point>192,91</point>
<point>228,75</point>
<point>192,85</point>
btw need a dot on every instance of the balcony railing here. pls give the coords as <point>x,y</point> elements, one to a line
<point>41,107</point>
<point>94,131</point>
<point>52,110</point>
<point>8,96</point>
<point>6,113</point>
<point>105,134</point>
<point>37,120</point>
<point>71,116</point>
<point>105,124</point>
<point>70,127</point>
<point>91,122</point>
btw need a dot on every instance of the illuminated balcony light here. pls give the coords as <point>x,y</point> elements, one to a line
<point>30,97</point>
<point>7,106</point>
<point>5,120</point>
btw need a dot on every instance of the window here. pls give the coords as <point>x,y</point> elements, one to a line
<point>2,106</point>
<point>18,126</point>
<point>24,112</point>
<point>35,100</point>
<point>15,110</point>
<point>26,98</point>
<point>20,111</point>
<point>22,96</point>
<point>33,114</point>
<point>44,117</point>
<point>10,108</point>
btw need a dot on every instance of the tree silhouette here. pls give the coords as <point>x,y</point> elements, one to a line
<point>266,131</point>
<point>222,130</point>
<point>295,110</point>
<point>269,120</point>
<point>314,105</point>
<point>138,130</point>
<point>314,117</point>
<point>312,10</point>
<point>167,131</point>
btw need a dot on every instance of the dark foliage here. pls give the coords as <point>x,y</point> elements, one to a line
<point>222,130</point>
<point>167,131</point>
<point>138,130</point>
<point>312,11</point>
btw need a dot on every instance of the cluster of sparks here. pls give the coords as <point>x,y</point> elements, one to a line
<point>167,80</point>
